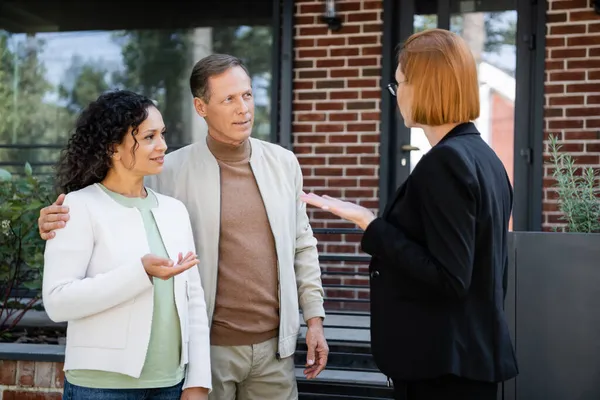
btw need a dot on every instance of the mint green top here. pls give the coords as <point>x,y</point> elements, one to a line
<point>162,365</point>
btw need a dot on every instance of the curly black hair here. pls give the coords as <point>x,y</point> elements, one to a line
<point>100,126</point>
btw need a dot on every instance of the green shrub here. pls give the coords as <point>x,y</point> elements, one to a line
<point>21,248</point>
<point>577,191</point>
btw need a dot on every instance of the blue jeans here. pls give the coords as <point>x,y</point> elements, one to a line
<point>74,392</point>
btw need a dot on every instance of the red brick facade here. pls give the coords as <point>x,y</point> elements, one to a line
<point>337,96</point>
<point>572,97</point>
<point>337,100</point>
<point>336,117</point>
<point>31,380</point>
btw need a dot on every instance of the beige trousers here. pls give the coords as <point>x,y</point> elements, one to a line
<point>252,373</point>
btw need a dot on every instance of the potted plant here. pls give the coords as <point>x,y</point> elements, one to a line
<point>577,191</point>
<point>554,290</point>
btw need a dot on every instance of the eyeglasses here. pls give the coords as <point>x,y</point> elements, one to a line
<point>393,88</point>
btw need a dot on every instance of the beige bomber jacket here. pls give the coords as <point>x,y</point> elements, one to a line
<point>191,175</point>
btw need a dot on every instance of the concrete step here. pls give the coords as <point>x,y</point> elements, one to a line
<point>343,356</point>
<point>331,386</point>
<point>351,372</point>
<point>345,328</point>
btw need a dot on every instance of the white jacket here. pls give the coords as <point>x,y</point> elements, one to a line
<point>192,175</point>
<point>95,280</point>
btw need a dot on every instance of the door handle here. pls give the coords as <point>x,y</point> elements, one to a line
<point>408,147</point>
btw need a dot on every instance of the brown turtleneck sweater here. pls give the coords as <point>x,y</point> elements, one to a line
<point>247,301</point>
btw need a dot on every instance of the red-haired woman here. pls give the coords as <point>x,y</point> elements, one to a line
<point>439,250</point>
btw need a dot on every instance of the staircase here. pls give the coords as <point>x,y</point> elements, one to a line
<point>351,372</point>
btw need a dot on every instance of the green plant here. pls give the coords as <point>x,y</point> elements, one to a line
<point>577,191</point>
<point>21,248</point>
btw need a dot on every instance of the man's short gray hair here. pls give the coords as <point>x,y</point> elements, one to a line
<point>209,66</point>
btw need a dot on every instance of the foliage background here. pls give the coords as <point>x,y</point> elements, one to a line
<point>156,63</point>
<point>21,248</point>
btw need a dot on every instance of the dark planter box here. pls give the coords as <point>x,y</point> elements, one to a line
<point>553,307</point>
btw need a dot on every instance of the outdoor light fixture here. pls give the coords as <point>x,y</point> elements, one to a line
<point>330,17</point>
<point>597,6</point>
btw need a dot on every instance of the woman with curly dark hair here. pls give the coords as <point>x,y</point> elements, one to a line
<point>137,323</point>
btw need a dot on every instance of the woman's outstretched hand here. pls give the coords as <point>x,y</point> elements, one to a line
<point>164,268</point>
<point>360,215</point>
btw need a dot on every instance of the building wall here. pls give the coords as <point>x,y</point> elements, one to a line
<point>572,90</point>
<point>337,99</point>
<point>31,380</point>
<point>336,116</point>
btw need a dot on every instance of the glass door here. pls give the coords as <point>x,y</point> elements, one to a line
<point>491,37</point>
<point>490,29</point>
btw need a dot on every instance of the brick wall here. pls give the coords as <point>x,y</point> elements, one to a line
<point>336,117</point>
<point>337,96</point>
<point>572,89</point>
<point>31,380</point>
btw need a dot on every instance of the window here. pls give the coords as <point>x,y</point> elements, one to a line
<point>73,52</point>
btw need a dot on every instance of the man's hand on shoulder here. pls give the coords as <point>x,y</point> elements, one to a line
<point>53,217</point>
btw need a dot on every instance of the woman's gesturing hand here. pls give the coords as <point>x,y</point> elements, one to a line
<point>163,268</point>
<point>360,215</point>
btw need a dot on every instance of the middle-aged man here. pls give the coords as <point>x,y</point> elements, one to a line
<point>258,256</point>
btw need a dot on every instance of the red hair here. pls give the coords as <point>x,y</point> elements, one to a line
<point>441,69</point>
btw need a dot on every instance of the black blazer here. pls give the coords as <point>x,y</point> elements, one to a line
<point>439,267</point>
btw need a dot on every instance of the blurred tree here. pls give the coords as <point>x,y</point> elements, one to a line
<point>254,46</point>
<point>500,31</point>
<point>486,33</point>
<point>83,82</point>
<point>157,65</point>
<point>27,118</point>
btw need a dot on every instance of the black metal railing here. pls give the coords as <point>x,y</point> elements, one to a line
<point>355,375</point>
<point>351,371</point>
<point>325,272</point>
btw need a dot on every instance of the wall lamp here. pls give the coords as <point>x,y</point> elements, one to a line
<point>331,18</point>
